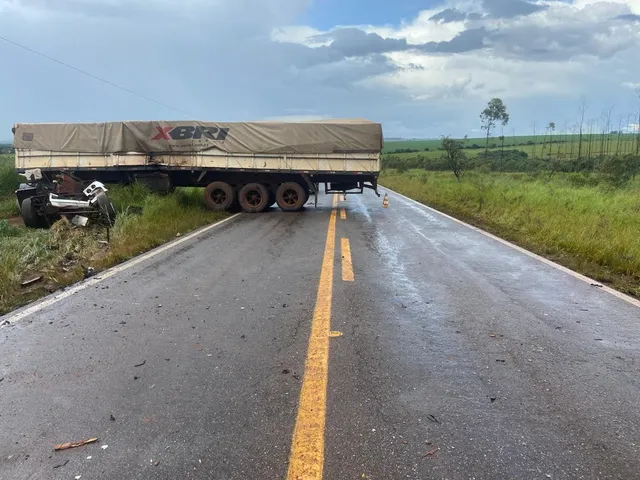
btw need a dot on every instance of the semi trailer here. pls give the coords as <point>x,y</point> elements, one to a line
<point>250,165</point>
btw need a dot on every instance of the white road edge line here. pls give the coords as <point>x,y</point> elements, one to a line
<point>13,318</point>
<point>546,261</point>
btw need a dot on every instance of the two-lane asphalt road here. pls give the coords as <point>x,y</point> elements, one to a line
<point>346,342</point>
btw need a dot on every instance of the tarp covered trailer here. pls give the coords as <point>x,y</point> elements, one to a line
<point>255,164</point>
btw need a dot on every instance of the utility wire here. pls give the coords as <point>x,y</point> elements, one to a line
<point>95,77</point>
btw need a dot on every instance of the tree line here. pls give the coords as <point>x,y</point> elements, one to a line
<point>614,154</point>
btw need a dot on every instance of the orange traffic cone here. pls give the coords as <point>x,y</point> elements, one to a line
<point>385,201</point>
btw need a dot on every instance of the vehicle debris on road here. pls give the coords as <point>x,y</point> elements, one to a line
<point>141,364</point>
<point>66,446</point>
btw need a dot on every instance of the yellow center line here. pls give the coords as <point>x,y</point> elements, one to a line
<point>347,266</point>
<point>343,214</point>
<point>306,460</point>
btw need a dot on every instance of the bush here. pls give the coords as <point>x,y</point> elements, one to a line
<point>9,179</point>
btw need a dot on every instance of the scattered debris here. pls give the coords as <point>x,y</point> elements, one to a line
<point>285,371</point>
<point>597,285</point>
<point>209,354</point>
<point>284,305</point>
<point>63,464</point>
<point>88,271</point>
<point>433,419</point>
<point>80,221</point>
<point>1,379</point>
<point>103,242</point>
<point>160,306</point>
<point>493,399</point>
<point>141,364</point>
<point>156,463</point>
<point>335,334</point>
<point>500,360</point>
<point>65,446</point>
<point>27,283</point>
<point>89,457</point>
<point>242,336</point>
<point>78,477</point>
<point>430,453</point>
<point>178,234</point>
<point>112,418</point>
<point>599,339</point>
<point>136,378</point>
<point>152,386</point>
<point>458,331</point>
<point>6,322</point>
<point>104,447</point>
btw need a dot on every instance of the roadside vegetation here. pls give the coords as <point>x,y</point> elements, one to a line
<point>66,253</point>
<point>577,203</point>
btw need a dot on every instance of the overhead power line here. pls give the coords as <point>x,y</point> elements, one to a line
<point>95,77</point>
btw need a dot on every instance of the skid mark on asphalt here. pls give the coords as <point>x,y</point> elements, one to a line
<point>306,460</point>
<point>347,265</point>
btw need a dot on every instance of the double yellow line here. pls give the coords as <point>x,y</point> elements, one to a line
<point>306,460</point>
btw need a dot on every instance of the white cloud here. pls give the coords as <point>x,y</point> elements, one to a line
<point>250,59</point>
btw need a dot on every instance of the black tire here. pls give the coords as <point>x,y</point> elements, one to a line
<point>291,196</point>
<point>107,210</point>
<point>30,215</point>
<point>254,198</point>
<point>219,196</point>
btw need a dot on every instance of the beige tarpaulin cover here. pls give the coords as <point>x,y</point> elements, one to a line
<point>330,136</point>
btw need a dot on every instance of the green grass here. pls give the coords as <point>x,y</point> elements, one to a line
<point>145,221</point>
<point>591,229</point>
<point>564,147</point>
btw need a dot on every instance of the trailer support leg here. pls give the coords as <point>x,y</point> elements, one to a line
<point>312,187</point>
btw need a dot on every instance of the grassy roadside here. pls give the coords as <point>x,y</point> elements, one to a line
<point>61,255</point>
<point>590,229</point>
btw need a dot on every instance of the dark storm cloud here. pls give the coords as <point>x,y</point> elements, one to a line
<point>629,16</point>
<point>352,42</point>
<point>511,8</point>
<point>449,15</point>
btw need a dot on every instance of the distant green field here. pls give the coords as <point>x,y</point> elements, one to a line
<point>563,145</point>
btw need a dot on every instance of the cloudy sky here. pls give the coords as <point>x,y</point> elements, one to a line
<point>421,67</point>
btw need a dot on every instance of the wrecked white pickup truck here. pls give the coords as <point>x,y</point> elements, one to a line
<point>41,202</point>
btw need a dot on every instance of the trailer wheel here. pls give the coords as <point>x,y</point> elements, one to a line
<point>30,215</point>
<point>291,197</point>
<point>219,196</point>
<point>254,198</point>
<point>107,209</point>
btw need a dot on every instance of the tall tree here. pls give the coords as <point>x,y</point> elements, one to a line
<point>496,112</point>
<point>551,128</point>
<point>620,119</point>
<point>583,111</point>
<point>534,139</point>
<point>638,124</point>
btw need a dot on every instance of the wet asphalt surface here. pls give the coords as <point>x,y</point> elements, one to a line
<point>460,359</point>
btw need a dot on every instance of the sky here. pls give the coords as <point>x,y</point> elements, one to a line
<point>421,68</point>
